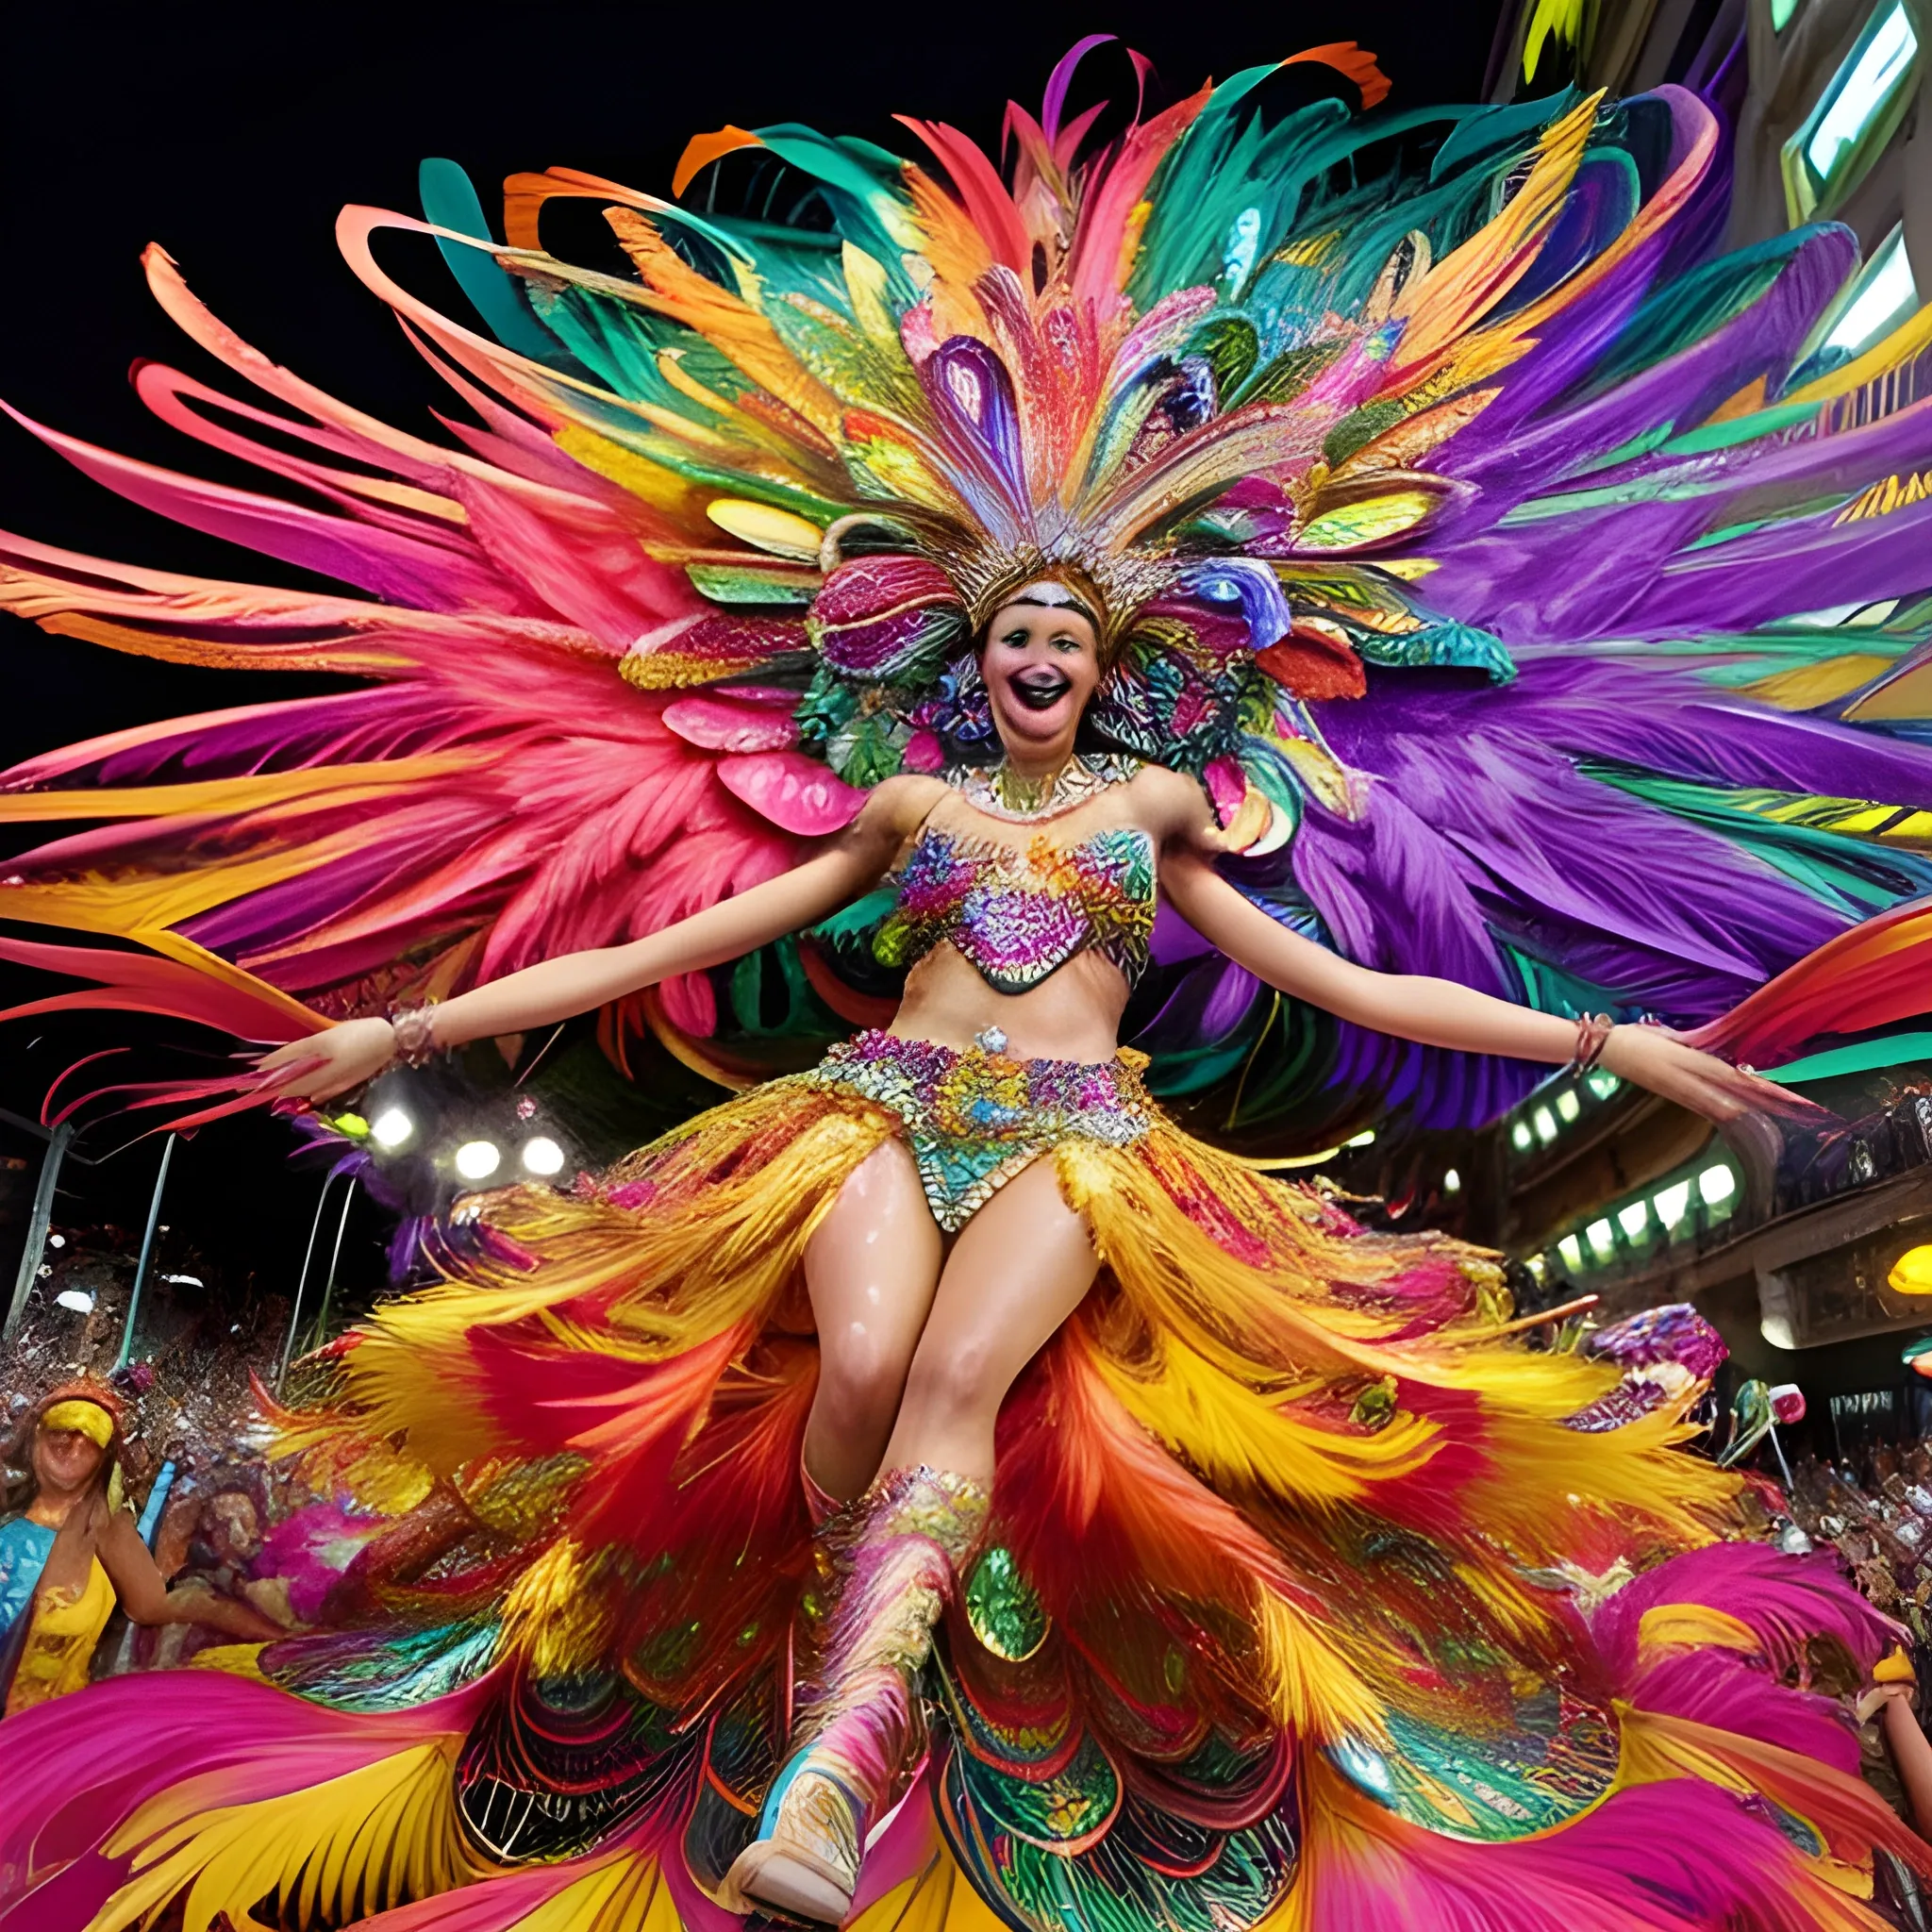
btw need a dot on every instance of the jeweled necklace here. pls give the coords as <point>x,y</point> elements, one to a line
<point>1002,793</point>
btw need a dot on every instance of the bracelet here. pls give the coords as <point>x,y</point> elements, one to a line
<point>415,1030</point>
<point>1592,1035</point>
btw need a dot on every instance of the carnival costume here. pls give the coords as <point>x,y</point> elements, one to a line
<point>1444,506</point>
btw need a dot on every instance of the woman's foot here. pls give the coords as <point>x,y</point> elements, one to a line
<point>804,1860</point>
<point>886,1565</point>
<point>788,1886</point>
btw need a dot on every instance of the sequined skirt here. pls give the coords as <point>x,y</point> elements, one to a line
<point>973,1118</point>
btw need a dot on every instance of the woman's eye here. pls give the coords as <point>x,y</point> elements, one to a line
<point>1017,640</point>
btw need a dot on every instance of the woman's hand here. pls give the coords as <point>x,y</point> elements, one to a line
<point>329,1063</point>
<point>1657,1061</point>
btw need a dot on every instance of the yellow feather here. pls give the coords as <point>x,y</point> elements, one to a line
<point>1245,1443</point>
<point>357,1844</point>
<point>1439,307</point>
<point>1308,1683</point>
<point>1693,1626</point>
<point>558,1614</point>
<point>735,328</point>
<point>649,482</point>
<point>253,795</point>
<point>676,1279</point>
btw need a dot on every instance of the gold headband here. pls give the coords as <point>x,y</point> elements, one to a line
<point>88,1418</point>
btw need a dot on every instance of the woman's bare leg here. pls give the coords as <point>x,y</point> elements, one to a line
<point>871,1269</point>
<point>1021,1266</point>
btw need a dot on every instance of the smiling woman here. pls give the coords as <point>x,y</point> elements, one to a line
<point>69,1551</point>
<point>936,1481</point>
<point>1042,648</point>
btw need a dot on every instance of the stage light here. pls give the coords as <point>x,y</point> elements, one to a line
<point>1911,1273</point>
<point>542,1156</point>
<point>392,1127</point>
<point>476,1161</point>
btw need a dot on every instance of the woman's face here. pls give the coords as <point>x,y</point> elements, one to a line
<point>65,1461</point>
<point>1041,664</point>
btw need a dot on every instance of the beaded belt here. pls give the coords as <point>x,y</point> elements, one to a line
<point>976,1117</point>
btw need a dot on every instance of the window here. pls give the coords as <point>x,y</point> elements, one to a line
<point>1672,1204</point>
<point>1881,295</point>
<point>1857,113</point>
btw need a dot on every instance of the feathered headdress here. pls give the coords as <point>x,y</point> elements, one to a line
<point>1541,595</point>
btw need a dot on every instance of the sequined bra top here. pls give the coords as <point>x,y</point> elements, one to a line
<point>1018,914</point>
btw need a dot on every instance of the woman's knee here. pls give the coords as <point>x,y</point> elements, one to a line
<point>955,1381</point>
<point>861,1380</point>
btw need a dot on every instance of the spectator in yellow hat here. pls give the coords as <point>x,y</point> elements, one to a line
<point>69,1549</point>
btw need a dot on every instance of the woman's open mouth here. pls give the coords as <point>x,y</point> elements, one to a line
<point>1040,688</point>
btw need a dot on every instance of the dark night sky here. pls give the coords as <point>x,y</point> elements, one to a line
<point>232,139</point>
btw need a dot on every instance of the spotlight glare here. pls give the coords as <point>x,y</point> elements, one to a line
<point>392,1127</point>
<point>476,1161</point>
<point>542,1156</point>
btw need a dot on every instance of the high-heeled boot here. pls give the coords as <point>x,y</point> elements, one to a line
<point>888,1563</point>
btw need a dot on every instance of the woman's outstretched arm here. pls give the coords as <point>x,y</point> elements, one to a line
<point>846,865</point>
<point>1439,1013</point>
<point>143,1592</point>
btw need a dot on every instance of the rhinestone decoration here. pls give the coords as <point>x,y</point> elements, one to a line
<point>1017,916</point>
<point>1000,793</point>
<point>974,1119</point>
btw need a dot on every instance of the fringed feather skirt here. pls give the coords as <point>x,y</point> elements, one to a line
<point>1312,1599</point>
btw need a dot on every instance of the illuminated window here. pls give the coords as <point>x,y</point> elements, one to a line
<point>1545,1124</point>
<point>1568,1104</point>
<point>1535,1265</point>
<point>1881,295</point>
<point>1716,1184</point>
<point>1672,1203</point>
<point>1572,1251</point>
<point>1857,113</point>
<point>1719,1188</point>
<point>1632,1219</point>
<point>1519,1137</point>
<point>1603,1085</point>
<point>1602,1237</point>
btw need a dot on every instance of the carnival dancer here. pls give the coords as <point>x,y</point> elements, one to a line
<point>1332,613</point>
